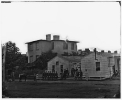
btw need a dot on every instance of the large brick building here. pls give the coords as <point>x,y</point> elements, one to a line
<point>36,48</point>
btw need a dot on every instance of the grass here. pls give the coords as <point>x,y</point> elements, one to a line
<point>62,90</point>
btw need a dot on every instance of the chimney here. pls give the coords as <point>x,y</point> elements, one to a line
<point>95,51</point>
<point>56,37</point>
<point>102,51</point>
<point>48,37</point>
<point>115,52</point>
<point>109,51</point>
<point>87,50</point>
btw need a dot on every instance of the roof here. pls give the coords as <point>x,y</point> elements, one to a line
<point>69,58</point>
<point>66,41</point>
<point>50,41</point>
<point>108,54</point>
<point>105,54</point>
<point>73,58</point>
<point>38,41</point>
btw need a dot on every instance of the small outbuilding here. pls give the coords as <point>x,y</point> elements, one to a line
<point>98,65</point>
<point>60,63</point>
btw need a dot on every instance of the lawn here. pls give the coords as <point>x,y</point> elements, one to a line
<point>73,89</point>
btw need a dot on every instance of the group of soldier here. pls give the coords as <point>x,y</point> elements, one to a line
<point>50,76</point>
<point>78,75</point>
<point>64,74</point>
<point>54,75</point>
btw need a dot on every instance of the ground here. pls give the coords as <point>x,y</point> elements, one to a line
<point>63,89</point>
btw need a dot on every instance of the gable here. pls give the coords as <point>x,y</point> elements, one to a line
<point>57,58</point>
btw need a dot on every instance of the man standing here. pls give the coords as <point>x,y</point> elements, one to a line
<point>13,78</point>
<point>81,74</point>
<point>86,74</point>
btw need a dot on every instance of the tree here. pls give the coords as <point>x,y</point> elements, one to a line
<point>65,54</point>
<point>12,54</point>
<point>41,62</point>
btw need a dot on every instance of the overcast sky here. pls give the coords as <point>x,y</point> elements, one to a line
<point>93,24</point>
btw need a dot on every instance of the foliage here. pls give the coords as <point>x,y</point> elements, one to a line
<point>41,62</point>
<point>65,54</point>
<point>13,56</point>
<point>74,54</point>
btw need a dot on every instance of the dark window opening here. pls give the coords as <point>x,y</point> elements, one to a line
<point>37,46</point>
<point>31,59</point>
<point>72,46</point>
<point>65,45</point>
<point>57,62</point>
<point>30,47</point>
<point>53,68</point>
<point>97,66</point>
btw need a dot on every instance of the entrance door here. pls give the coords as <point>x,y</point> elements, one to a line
<point>114,69</point>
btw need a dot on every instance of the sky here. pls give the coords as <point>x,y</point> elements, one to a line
<point>93,24</point>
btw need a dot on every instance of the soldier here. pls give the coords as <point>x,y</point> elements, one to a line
<point>76,74</point>
<point>20,77</point>
<point>81,74</point>
<point>56,75</point>
<point>86,74</point>
<point>43,76</point>
<point>46,75</point>
<point>25,76</point>
<point>61,75</point>
<point>53,75</point>
<point>64,74</point>
<point>67,72</point>
<point>13,78</point>
<point>35,77</point>
<point>50,75</point>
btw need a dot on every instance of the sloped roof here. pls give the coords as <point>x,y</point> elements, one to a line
<point>68,58</point>
<point>108,54</point>
<point>105,54</point>
<point>73,58</point>
<point>38,41</point>
<point>66,41</point>
<point>50,41</point>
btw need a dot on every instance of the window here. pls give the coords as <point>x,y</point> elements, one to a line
<point>30,47</point>
<point>65,45</point>
<point>61,67</point>
<point>57,62</point>
<point>72,46</point>
<point>97,66</point>
<point>37,56</point>
<point>53,68</point>
<point>37,46</point>
<point>31,59</point>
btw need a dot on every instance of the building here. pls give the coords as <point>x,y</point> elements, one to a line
<point>60,63</point>
<point>98,65</point>
<point>36,48</point>
<point>117,60</point>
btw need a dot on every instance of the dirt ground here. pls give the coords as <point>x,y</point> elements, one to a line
<point>63,89</point>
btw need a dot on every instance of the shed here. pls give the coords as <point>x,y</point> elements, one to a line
<point>59,63</point>
<point>98,65</point>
